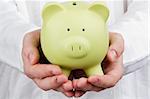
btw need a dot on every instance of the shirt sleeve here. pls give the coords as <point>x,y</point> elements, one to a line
<point>133,26</point>
<point>13,27</point>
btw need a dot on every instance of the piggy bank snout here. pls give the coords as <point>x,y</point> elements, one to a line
<point>77,48</point>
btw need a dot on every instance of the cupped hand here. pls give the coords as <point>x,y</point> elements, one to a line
<point>46,76</point>
<point>112,67</point>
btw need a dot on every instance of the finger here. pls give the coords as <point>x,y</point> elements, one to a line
<point>30,55</point>
<point>105,81</point>
<point>84,85</point>
<point>68,86</point>
<point>67,89</point>
<point>69,94</point>
<point>50,82</point>
<point>75,83</point>
<point>99,81</point>
<point>79,93</point>
<point>112,75</point>
<point>116,46</point>
<point>32,38</point>
<point>30,47</point>
<point>42,71</point>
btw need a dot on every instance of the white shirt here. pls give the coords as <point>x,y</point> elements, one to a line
<point>130,18</point>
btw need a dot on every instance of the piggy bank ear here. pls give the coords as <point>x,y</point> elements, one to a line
<point>100,9</point>
<point>51,9</point>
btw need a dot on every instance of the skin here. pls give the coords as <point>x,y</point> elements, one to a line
<point>112,67</point>
<point>48,76</point>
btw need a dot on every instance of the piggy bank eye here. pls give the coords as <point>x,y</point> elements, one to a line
<point>68,29</point>
<point>74,3</point>
<point>83,29</point>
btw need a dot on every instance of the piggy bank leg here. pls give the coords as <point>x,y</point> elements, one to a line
<point>94,70</point>
<point>66,71</point>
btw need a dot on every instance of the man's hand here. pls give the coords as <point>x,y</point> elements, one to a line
<point>112,67</point>
<point>46,76</point>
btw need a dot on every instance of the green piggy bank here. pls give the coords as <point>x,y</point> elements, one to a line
<point>74,35</point>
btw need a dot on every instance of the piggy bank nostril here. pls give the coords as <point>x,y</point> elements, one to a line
<point>76,48</point>
<point>72,48</point>
<point>79,47</point>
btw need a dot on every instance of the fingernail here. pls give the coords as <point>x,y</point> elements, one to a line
<point>113,54</point>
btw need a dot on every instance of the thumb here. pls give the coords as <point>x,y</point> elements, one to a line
<point>30,47</point>
<point>34,56</point>
<point>116,46</point>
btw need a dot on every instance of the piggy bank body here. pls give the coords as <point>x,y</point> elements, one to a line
<point>74,36</point>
